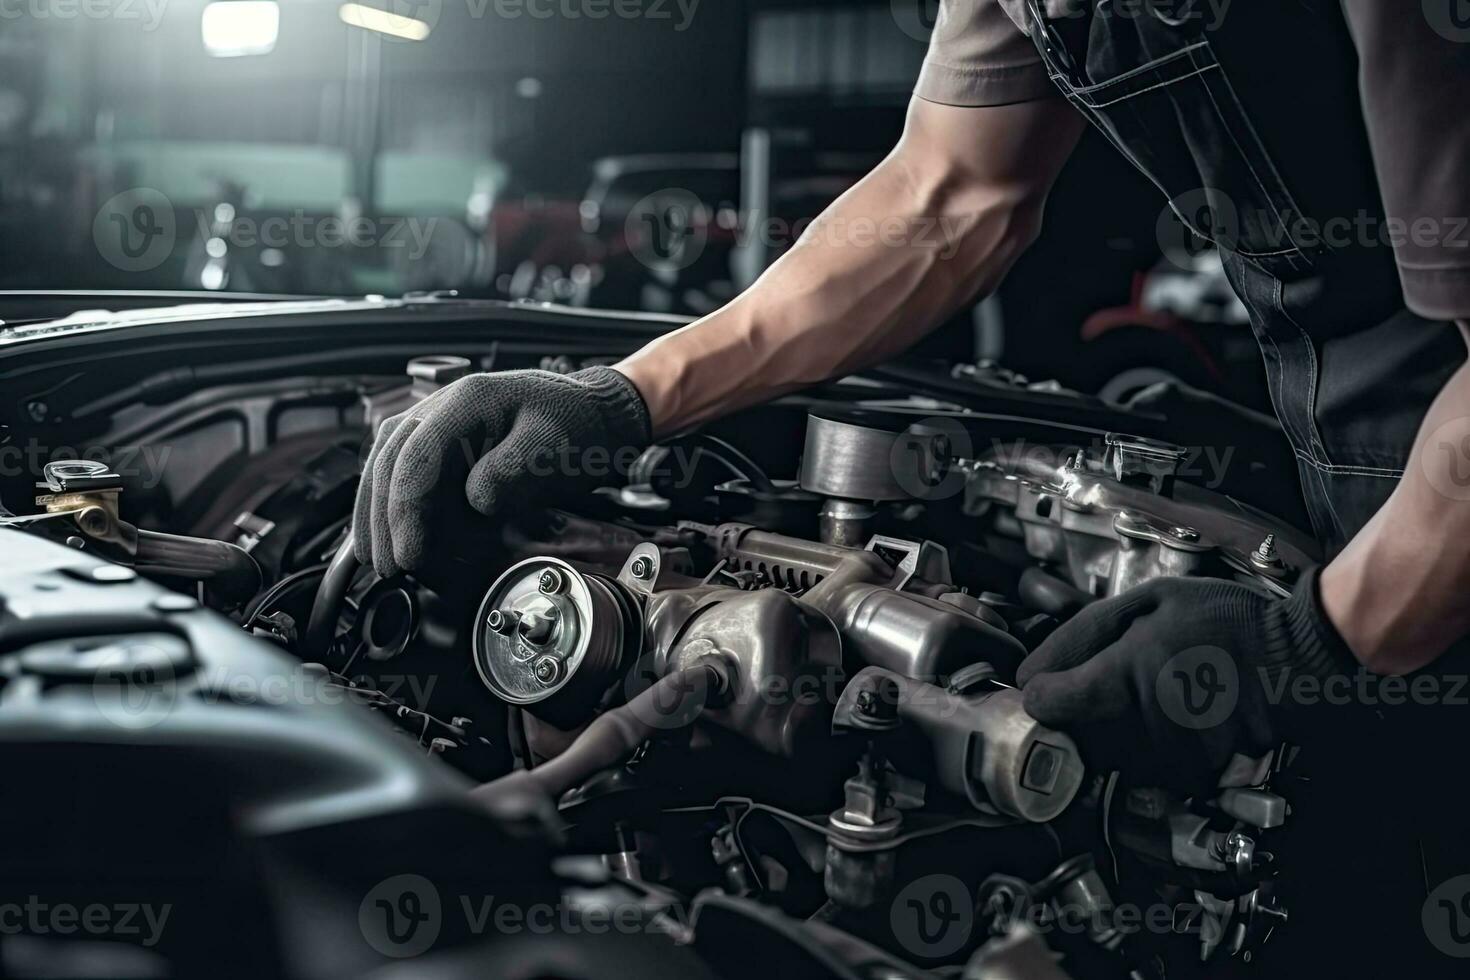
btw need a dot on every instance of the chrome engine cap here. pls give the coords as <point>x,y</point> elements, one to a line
<point>546,634</point>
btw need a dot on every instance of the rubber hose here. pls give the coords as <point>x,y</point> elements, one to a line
<point>615,734</point>
<point>327,605</point>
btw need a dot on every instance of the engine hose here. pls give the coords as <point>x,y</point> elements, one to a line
<point>327,605</point>
<point>228,569</point>
<point>674,701</point>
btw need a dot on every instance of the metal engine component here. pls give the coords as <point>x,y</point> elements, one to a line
<point>980,743</point>
<point>920,634</point>
<point>916,636</point>
<point>552,640</point>
<point>856,466</point>
<point>783,660</point>
<point>849,461</point>
<point>1106,534</point>
<point>426,375</point>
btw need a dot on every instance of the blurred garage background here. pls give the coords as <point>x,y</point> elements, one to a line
<point>633,154</point>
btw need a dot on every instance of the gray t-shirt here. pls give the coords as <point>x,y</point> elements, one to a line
<point>1415,84</point>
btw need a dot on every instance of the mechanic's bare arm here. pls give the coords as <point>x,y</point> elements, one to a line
<point>1397,592</point>
<point>940,221</point>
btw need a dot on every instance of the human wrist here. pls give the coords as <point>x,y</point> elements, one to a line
<point>642,376</point>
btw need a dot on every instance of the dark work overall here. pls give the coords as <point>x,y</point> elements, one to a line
<point>1252,129</point>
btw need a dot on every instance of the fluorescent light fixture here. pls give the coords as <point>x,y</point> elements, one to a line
<point>383,22</point>
<point>233,28</point>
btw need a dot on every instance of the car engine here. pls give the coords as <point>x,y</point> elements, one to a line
<point>760,684</point>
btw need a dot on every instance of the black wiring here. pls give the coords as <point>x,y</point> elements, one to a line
<point>275,592</point>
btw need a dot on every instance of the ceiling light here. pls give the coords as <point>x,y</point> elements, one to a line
<point>383,22</point>
<point>232,28</point>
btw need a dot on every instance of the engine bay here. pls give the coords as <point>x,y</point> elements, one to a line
<point>759,684</point>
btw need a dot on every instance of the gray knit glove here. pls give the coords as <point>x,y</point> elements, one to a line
<point>491,440</point>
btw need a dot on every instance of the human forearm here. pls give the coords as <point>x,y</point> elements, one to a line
<point>1397,593</point>
<point>937,223</point>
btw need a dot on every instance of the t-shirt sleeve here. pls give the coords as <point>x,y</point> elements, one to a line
<point>1415,81</point>
<point>978,56</point>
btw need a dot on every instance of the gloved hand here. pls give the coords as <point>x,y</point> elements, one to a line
<point>490,440</point>
<point>1179,676</point>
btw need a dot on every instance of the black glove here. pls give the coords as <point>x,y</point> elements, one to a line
<point>1176,677</point>
<point>490,440</point>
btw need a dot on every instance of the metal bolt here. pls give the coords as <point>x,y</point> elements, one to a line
<point>867,703</point>
<point>1239,853</point>
<point>551,581</point>
<point>547,670</point>
<point>37,411</point>
<point>1266,556</point>
<point>501,623</point>
<point>93,520</point>
<point>642,568</point>
<point>538,627</point>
